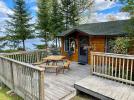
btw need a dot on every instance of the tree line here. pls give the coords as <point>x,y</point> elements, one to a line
<point>53,17</point>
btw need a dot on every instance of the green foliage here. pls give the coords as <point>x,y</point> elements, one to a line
<point>129,7</point>
<point>4,96</point>
<point>41,46</point>
<point>43,24</point>
<point>56,21</point>
<point>121,45</point>
<point>70,12</point>
<point>8,51</point>
<point>19,29</point>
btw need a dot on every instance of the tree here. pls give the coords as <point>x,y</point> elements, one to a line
<point>72,10</point>
<point>70,13</point>
<point>56,20</point>
<point>43,24</point>
<point>120,45</point>
<point>127,43</point>
<point>130,9</point>
<point>19,27</point>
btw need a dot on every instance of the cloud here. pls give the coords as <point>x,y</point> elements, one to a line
<point>100,5</point>
<point>4,9</point>
<point>97,12</point>
<point>100,17</point>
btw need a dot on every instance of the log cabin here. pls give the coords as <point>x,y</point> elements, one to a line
<point>78,42</point>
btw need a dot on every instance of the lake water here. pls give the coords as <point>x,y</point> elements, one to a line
<point>31,43</point>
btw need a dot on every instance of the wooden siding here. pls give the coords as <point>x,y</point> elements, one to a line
<point>74,57</point>
<point>97,42</point>
<point>131,50</point>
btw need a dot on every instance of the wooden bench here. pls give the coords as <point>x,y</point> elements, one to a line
<point>38,63</point>
<point>56,67</point>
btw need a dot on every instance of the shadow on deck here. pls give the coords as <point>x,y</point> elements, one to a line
<point>61,86</point>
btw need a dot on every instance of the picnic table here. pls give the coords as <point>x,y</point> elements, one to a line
<point>54,59</point>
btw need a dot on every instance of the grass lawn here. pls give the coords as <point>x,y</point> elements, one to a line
<point>4,96</point>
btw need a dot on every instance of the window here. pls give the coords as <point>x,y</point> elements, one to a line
<point>70,44</point>
<point>66,44</point>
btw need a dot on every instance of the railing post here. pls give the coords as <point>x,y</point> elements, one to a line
<point>12,75</point>
<point>91,69</point>
<point>41,85</point>
<point>37,55</point>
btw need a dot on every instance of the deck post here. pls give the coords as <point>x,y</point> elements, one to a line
<point>91,69</point>
<point>12,75</point>
<point>37,55</point>
<point>41,85</point>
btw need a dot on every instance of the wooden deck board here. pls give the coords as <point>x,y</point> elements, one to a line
<point>107,88</point>
<point>61,86</point>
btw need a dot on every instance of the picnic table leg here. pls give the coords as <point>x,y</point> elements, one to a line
<point>56,71</point>
<point>63,69</point>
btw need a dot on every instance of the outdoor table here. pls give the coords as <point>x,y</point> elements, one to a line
<point>54,58</point>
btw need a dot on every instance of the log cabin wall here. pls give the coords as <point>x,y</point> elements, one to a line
<point>131,50</point>
<point>97,42</point>
<point>74,56</point>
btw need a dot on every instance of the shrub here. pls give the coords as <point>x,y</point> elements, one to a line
<point>121,45</point>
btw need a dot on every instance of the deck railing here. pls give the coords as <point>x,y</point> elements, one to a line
<point>28,57</point>
<point>24,79</point>
<point>118,67</point>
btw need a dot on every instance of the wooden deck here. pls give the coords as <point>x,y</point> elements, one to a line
<point>105,89</point>
<point>61,86</point>
<point>64,86</point>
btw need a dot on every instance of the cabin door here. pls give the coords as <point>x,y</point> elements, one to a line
<point>83,49</point>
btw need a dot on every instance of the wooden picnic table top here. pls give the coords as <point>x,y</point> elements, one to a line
<point>54,57</point>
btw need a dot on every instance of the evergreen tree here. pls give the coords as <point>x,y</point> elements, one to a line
<point>56,21</point>
<point>129,7</point>
<point>19,27</point>
<point>70,12</point>
<point>43,24</point>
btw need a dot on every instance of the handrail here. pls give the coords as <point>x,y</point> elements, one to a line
<point>28,57</point>
<point>119,67</point>
<point>22,63</point>
<point>24,79</point>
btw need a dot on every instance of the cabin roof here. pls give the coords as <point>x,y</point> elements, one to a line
<point>101,28</point>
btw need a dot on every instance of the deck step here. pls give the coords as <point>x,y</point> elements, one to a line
<point>105,89</point>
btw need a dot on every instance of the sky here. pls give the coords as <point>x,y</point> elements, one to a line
<point>101,11</point>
